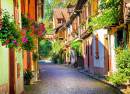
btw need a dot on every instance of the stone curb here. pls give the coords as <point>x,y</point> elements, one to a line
<point>99,79</point>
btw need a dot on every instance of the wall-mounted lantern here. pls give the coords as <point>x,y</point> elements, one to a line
<point>70,8</point>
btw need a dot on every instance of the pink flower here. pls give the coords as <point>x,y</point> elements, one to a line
<point>17,44</point>
<point>22,40</point>
<point>26,40</point>
<point>3,44</point>
<point>14,41</point>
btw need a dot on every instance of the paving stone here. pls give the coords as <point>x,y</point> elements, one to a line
<point>56,79</point>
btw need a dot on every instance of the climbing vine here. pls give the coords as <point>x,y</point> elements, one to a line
<point>76,45</point>
<point>111,14</point>
<point>57,47</point>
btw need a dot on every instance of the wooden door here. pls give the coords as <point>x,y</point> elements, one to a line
<point>28,61</point>
<point>12,84</point>
<point>106,54</point>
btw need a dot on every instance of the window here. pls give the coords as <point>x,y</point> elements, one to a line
<point>59,21</point>
<point>121,38</point>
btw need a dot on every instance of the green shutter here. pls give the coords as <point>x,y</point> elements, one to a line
<point>125,39</point>
<point>116,44</point>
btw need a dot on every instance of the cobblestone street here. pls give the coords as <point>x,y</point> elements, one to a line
<point>56,79</point>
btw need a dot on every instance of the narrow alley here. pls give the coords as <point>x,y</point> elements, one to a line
<point>57,79</point>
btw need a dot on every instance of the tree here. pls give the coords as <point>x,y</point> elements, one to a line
<point>49,6</point>
<point>45,49</point>
<point>62,3</point>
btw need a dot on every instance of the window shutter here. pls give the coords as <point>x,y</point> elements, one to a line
<point>18,70</point>
<point>96,43</point>
<point>125,39</point>
<point>86,47</point>
<point>116,45</point>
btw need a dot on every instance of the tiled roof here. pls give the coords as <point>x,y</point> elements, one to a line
<point>60,14</point>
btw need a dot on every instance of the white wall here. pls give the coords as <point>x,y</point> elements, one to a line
<point>99,62</point>
<point>113,62</point>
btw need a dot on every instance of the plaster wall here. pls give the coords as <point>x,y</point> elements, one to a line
<point>8,5</point>
<point>4,65</point>
<point>19,85</point>
<point>90,41</point>
<point>99,62</point>
<point>113,62</point>
<point>4,59</point>
<point>112,41</point>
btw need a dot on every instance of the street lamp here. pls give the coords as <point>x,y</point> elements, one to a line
<point>69,8</point>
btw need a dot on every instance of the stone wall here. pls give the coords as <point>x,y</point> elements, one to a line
<point>4,88</point>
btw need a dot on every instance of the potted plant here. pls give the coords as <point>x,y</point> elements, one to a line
<point>28,76</point>
<point>75,64</point>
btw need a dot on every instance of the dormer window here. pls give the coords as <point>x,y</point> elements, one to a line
<point>59,21</point>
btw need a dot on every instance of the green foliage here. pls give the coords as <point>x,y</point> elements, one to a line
<point>57,47</point>
<point>82,23</point>
<point>123,67</point>
<point>28,74</point>
<point>30,44</point>
<point>115,78</point>
<point>62,3</point>
<point>35,56</point>
<point>45,49</point>
<point>75,64</point>
<point>54,58</point>
<point>60,60</point>
<point>49,6</point>
<point>111,14</point>
<point>25,21</point>
<point>76,45</point>
<point>9,34</point>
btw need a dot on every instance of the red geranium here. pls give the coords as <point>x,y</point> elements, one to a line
<point>7,41</point>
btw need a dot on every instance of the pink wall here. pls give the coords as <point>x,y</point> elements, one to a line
<point>72,60</point>
<point>91,56</point>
